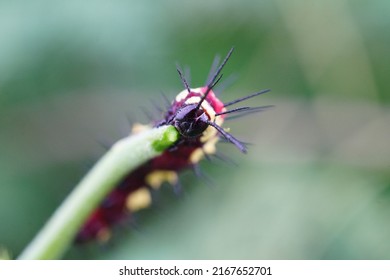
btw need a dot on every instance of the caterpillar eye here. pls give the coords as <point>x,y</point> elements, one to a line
<point>190,121</point>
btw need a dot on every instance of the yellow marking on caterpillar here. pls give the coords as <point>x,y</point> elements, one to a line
<point>209,148</point>
<point>138,128</point>
<point>156,178</point>
<point>139,199</point>
<point>196,156</point>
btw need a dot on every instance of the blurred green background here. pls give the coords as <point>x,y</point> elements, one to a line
<point>316,182</point>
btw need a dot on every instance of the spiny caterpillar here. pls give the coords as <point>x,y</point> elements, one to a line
<point>198,116</point>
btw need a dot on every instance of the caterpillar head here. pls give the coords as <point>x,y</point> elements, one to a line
<point>191,121</point>
<point>199,109</point>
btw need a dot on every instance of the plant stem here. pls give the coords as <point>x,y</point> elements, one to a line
<point>124,156</point>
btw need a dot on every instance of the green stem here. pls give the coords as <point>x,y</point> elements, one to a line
<point>124,156</point>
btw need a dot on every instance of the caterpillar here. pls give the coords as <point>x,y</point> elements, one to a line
<point>198,115</point>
